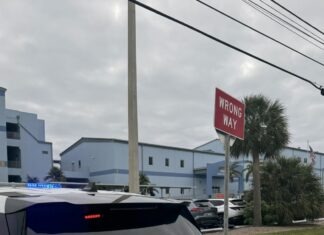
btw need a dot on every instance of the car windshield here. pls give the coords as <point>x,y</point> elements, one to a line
<point>102,219</point>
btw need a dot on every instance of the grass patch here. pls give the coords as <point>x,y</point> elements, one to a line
<point>307,231</point>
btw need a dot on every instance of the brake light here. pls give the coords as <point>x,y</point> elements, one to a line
<point>196,209</point>
<point>92,216</point>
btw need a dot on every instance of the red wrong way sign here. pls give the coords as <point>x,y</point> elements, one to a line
<point>229,114</point>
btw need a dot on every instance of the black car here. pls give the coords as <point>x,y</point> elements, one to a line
<point>207,218</point>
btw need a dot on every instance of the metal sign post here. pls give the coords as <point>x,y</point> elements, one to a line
<point>228,122</point>
<point>226,178</point>
<point>228,142</point>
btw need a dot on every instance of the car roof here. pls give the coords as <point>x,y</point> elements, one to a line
<point>19,198</point>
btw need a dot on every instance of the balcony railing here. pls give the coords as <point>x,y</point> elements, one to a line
<point>14,164</point>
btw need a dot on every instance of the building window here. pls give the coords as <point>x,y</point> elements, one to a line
<point>14,157</point>
<point>79,163</point>
<point>167,162</point>
<point>216,189</point>
<point>150,160</point>
<point>44,152</point>
<point>13,131</point>
<point>167,190</point>
<point>181,163</point>
<point>305,160</point>
<point>182,191</point>
<point>14,178</point>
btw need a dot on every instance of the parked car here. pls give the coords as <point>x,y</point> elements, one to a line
<point>50,209</point>
<point>198,205</point>
<point>205,214</point>
<point>235,209</point>
<point>207,218</point>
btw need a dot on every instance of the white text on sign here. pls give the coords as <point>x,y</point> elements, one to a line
<point>229,115</point>
<point>232,109</point>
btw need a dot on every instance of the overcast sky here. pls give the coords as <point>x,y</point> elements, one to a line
<point>66,60</point>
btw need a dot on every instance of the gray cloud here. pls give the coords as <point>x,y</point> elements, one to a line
<point>67,62</point>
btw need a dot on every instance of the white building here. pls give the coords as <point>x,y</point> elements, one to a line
<point>23,150</point>
<point>175,172</point>
<point>289,152</point>
<point>169,168</point>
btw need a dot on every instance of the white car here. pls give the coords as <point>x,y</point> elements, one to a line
<point>235,209</point>
<point>49,209</point>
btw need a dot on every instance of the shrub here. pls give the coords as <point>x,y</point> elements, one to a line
<point>290,191</point>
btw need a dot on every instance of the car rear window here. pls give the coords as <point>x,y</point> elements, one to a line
<point>65,218</point>
<point>203,203</point>
<point>217,202</point>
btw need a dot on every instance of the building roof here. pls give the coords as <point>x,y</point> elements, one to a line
<point>111,140</point>
<point>287,147</point>
<point>2,91</point>
<point>207,143</point>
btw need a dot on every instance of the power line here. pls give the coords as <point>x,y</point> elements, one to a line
<point>282,20</point>
<point>226,44</point>
<point>271,18</point>
<point>291,20</point>
<point>286,22</point>
<point>297,16</point>
<point>255,30</point>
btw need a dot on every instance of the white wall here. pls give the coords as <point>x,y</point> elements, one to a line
<point>36,155</point>
<point>202,159</point>
<point>200,187</point>
<point>3,138</point>
<point>109,164</point>
<point>95,157</point>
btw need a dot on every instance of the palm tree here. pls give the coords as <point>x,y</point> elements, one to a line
<point>266,132</point>
<point>233,171</point>
<point>291,191</point>
<point>144,180</point>
<point>55,174</point>
<point>249,170</point>
<point>32,179</point>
